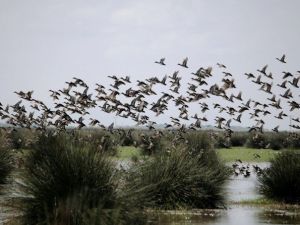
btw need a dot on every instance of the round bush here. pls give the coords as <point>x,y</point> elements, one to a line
<point>239,138</point>
<point>293,140</point>
<point>281,181</point>
<point>73,185</point>
<point>198,142</point>
<point>257,140</point>
<point>179,179</point>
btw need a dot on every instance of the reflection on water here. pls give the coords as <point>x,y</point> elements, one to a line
<point>233,216</point>
<point>239,188</point>
<point>10,192</point>
<point>244,188</point>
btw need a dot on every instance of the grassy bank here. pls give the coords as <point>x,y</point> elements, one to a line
<point>267,203</point>
<point>127,152</point>
<point>246,154</point>
<point>227,155</point>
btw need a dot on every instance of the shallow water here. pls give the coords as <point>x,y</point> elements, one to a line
<point>238,188</point>
<point>244,188</point>
<point>233,216</point>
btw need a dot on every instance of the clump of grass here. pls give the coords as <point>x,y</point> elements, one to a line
<point>179,179</point>
<point>257,140</point>
<point>72,184</point>
<point>198,142</point>
<point>5,141</point>
<point>293,140</point>
<point>127,137</point>
<point>99,140</point>
<point>150,143</point>
<point>281,180</point>
<point>5,164</point>
<point>6,159</point>
<point>239,138</point>
<point>22,138</point>
<point>220,140</point>
<point>127,152</point>
<point>246,154</point>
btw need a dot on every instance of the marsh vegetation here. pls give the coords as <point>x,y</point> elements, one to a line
<point>71,179</point>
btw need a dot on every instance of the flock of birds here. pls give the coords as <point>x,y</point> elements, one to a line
<point>71,104</point>
<point>240,169</point>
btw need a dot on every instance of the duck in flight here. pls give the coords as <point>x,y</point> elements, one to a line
<point>282,59</point>
<point>161,61</point>
<point>184,63</point>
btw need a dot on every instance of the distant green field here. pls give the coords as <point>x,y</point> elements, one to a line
<point>126,152</point>
<point>246,154</point>
<point>227,155</point>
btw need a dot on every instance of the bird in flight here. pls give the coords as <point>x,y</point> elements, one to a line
<point>161,61</point>
<point>282,59</point>
<point>184,63</point>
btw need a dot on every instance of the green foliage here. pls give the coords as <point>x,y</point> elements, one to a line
<point>277,141</point>
<point>127,152</point>
<point>239,138</point>
<point>293,140</point>
<point>281,181</point>
<point>71,184</point>
<point>179,179</point>
<point>23,138</point>
<point>220,141</point>
<point>5,157</point>
<point>5,141</point>
<point>99,140</point>
<point>127,137</point>
<point>5,164</point>
<point>257,140</point>
<point>272,140</point>
<point>150,143</point>
<point>198,142</point>
<point>246,154</point>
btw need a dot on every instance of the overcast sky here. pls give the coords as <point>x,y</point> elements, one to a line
<point>46,42</point>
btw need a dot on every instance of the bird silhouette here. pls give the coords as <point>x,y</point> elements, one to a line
<point>295,82</point>
<point>275,129</point>
<point>134,100</point>
<point>282,59</point>
<point>220,65</point>
<point>184,63</point>
<point>263,70</point>
<point>161,61</point>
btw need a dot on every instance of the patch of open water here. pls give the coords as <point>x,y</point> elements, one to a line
<point>238,188</point>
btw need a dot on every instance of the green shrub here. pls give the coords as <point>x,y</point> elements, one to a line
<point>281,181</point>
<point>276,141</point>
<point>5,164</point>
<point>100,140</point>
<point>150,143</point>
<point>198,142</point>
<point>257,140</point>
<point>293,140</point>
<point>179,179</point>
<point>219,140</point>
<point>6,159</point>
<point>239,139</point>
<point>23,138</point>
<point>5,141</point>
<point>72,184</point>
<point>127,138</point>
